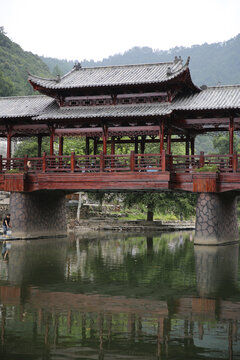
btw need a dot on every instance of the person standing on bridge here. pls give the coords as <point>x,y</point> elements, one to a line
<point>6,224</point>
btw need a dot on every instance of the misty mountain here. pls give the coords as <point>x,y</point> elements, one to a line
<point>210,64</point>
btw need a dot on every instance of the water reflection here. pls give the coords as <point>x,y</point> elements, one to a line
<point>155,297</point>
<point>216,269</point>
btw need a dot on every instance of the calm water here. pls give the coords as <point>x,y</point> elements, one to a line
<point>116,297</point>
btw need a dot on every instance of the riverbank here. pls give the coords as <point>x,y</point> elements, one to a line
<point>99,224</point>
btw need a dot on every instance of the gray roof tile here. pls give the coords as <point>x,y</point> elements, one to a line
<point>135,110</point>
<point>23,106</point>
<point>114,75</point>
<point>218,97</point>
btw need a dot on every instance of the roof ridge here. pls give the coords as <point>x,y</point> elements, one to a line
<point>24,96</point>
<point>222,86</point>
<point>41,78</point>
<point>127,65</point>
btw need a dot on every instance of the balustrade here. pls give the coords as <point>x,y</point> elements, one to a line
<point>121,163</point>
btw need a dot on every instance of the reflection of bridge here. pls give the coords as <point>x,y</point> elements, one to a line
<point>99,320</point>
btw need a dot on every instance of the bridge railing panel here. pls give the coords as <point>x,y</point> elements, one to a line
<point>87,163</point>
<point>116,163</point>
<point>191,163</point>
<point>13,165</point>
<point>148,162</point>
<point>58,163</point>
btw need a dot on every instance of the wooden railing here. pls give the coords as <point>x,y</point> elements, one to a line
<point>121,163</point>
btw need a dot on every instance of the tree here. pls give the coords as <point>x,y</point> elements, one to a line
<point>166,202</point>
<point>6,85</point>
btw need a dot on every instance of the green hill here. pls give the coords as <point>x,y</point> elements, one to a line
<point>211,64</point>
<point>14,67</point>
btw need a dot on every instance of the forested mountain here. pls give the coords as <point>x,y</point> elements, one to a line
<point>14,67</point>
<point>211,64</point>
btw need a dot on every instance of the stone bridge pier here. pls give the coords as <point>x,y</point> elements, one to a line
<point>216,218</point>
<point>38,214</point>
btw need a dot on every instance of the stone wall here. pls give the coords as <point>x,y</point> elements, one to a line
<point>216,218</point>
<point>38,214</point>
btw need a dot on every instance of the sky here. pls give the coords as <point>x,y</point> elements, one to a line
<point>94,29</point>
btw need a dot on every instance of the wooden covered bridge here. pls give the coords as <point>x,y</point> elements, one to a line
<point>148,106</point>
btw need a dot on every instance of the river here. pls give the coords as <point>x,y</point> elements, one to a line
<point>116,296</point>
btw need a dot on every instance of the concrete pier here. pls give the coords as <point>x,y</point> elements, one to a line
<point>38,214</point>
<point>216,219</point>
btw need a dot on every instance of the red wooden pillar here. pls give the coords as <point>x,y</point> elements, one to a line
<point>112,152</point>
<point>136,145</point>
<point>105,137</point>
<point>95,146</point>
<point>87,146</point>
<point>231,133</point>
<point>9,144</point>
<point>9,148</point>
<point>192,146</point>
<point>60,149</point>
<point>39,145</point>
<point>143,144</point>
<point>187,145</point>
<point>169,141</point>
<point>52,143</point>
<point>161,136</point>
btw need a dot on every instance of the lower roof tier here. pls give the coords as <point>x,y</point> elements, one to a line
<point>212,102</point>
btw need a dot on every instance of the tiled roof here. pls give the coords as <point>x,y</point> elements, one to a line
<point>43,107</point>
<point>23,106</point>
<point>53,111</point>
<point>114,75</point>
<point>218,97</point>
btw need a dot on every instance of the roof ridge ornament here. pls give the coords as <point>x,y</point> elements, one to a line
<point>77,65</point>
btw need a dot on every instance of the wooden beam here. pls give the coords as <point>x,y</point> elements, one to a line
<point>204,121</point>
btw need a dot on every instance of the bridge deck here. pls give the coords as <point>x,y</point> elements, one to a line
<point>195,173</point>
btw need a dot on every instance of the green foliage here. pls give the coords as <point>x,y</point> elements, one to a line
<point>30,147</point>
<point>207,168</point>
<point>175,203</point>
<point>6,85</point>
<point>221,143</point>
<point>13,171</point>
<point>14,67</point>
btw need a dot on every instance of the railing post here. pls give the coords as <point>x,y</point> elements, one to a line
<point>25,163</point>
<point>235,162</point>
<point>163,158</point>
<point>132,161</point>
<point>44,162</point>
<point>1,167</point>
<point>72,161</point>
<point>201,159</point>
<point>102,162</point>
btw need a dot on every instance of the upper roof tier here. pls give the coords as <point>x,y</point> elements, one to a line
<point>116,76</point>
